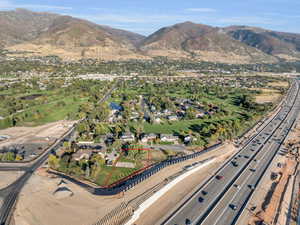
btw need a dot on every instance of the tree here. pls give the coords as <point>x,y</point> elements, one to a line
<point>53,161</point>
<point>102,112</point>
<point>19,157</point>
<point>100,129</point>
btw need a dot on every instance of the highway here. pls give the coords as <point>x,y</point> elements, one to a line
<point>11,192</point>
<point>223,197</point>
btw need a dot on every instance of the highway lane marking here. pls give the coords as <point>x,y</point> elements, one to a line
<point>242,184</point>
<point>263,157</point>
<point>245,149</point>
<point>226,208</point>
<point>273,124</point>
<point>145,205</point>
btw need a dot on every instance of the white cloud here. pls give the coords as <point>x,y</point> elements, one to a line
<point>33,6</point>
<point>5,4</point>
<point>207,10</point>
<point>250,20</point>
<point>118,18</point>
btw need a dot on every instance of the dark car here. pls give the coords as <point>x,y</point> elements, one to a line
<point>188,222</point>
<point>234,163</point>
<point>219,177</point>
<point>200,199</point>
<point>232,206</point>
<point>251,186</point>
<point>204,192</point>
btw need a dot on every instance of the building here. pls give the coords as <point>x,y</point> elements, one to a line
<point>169,138</point>
<point>148,137</point>
<point>172,118</point>
<point>82,154</point>
<point>127,137</point>
<point>115,107</point>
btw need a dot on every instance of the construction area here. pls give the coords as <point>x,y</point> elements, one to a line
<point>276,200</point>
<point>45,195</point>
<point>31,141</point>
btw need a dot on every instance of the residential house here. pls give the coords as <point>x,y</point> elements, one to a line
<point>82,154</point>
<point>188,139</point>
<point>115,107</point>
<point>172,118</point>
<point>169,138</point>
<point>148,137</point>
<point>128,137</point>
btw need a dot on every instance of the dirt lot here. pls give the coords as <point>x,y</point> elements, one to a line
<point>283,84</point>
<point>19,135</point>
<point>267,95</point>
<point>37,205</point>
<point>273,196</point>
<point>8,177</point>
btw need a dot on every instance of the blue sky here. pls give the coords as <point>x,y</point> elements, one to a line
<point>147,16</point>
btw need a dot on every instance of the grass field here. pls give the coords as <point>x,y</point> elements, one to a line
<point>115,174</point>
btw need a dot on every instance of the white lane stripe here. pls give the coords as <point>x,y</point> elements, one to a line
<point>164,190</point>
<point>246,180</point>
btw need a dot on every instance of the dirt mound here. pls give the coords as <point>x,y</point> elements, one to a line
<point>62,192</point>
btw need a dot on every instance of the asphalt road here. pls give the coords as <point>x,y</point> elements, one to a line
<point>220,201</point>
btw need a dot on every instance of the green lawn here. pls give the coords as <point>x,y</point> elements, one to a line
<point>117,174</point>
<point>182,125</point>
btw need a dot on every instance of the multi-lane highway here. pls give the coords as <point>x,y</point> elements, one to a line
<point>223,197</point>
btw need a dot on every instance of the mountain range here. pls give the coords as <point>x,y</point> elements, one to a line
<point>39,33</point>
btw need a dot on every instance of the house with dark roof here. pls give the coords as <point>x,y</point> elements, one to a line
<point>115,107</point>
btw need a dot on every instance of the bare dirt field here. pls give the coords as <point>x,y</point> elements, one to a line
<point>37,205</point>
<point>267,95</point>
<point>8,177</point>
<point>19,135</point>
<point>283,84</point>
<point>273,196</point>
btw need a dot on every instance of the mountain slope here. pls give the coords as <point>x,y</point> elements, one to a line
<point>44,33</point>
<point>201,42</point>
<point>282,45</point>
<point>22,25</point>
<point>71,38</point>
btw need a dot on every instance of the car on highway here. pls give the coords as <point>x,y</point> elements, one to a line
<point>204,192</point>
<point>246,156</point>
<point>219,177</point>
<point>232,206</point>
<point>200,199</point>
<point>188,222</point>
<point>252,169</point>
<point>234,163</point>
<point>251,186</point>
<point>237,186</point>
<point>188,167</point>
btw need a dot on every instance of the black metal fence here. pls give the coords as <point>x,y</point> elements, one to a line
<point>131,182</point>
